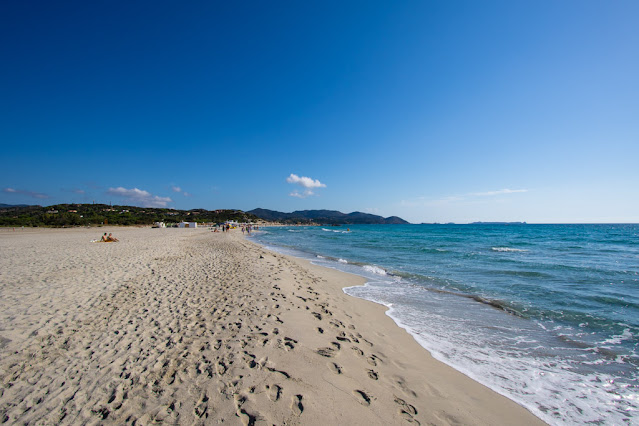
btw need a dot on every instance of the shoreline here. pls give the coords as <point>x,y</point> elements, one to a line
<point>446,380</point>
<point>189,326</point>
<point>388,310</point>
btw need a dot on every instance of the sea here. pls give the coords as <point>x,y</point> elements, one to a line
<point>546,315</point>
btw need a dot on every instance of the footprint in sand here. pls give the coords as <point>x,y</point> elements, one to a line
<point>327,352</point>
<point>362,397</point>
<point>357,351</point>
<point>405,407</point>
<point>220,368</point>
<point>201,407</point>
<point>289,343</point>
<point>334,367</point>
<point>273,392</point>
<point>245,418</point>
<point>296,405</point>
<point>342,337</point>
<point>400,383</point>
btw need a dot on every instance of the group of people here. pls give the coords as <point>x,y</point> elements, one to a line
<point>109,239</point>
<point>245,228</point>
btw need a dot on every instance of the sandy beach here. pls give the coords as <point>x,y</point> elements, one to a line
<point>186,326</point>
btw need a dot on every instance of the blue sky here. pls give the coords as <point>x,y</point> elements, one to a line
<point>434,111</point>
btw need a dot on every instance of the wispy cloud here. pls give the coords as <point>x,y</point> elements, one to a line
<point>31,194</point>
<point>306,182</point>
<point>178,189</point>
<point>304,194</point>
<point>139,197</point>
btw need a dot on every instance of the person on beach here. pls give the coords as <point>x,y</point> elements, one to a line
<point>111,238</point>
<point>104,239</point>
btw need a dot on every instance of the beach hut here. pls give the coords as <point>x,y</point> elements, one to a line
<point>187,225</point>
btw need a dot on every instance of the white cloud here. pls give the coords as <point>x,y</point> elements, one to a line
<point>304,181</point>
<point>31,194</point>
<point>499,192</point>
<point>140,197</point>
<point>306,193</point>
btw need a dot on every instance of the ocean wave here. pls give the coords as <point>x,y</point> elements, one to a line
<point>434,250</point>
<point>508,249</point>
<point>374,270</point>
<point>336,231</point>
<point>342,261</point>
<point>617,339</point>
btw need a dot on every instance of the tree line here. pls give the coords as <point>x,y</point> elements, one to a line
<point>62,215</point>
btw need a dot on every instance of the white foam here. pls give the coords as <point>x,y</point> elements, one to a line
<point>615,340</point>
<point>342,261</point>
<point>508,249</point>
<point>547,386</point>
<point>374,270</point>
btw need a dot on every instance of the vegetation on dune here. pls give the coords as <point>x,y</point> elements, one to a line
<point>60,215</point>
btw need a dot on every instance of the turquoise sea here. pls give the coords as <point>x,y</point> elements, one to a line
<point>547,315</point>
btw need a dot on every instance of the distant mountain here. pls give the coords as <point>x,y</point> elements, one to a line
<point>326,217</point>
<point>8,206</point>
<point>498,223</point>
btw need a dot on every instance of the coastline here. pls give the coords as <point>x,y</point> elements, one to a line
<point>189,326</point>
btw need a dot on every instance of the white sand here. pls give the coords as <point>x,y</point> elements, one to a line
<point>187,327</point>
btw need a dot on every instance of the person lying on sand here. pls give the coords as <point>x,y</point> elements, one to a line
<point>112,238</point>
<point>104,238</point>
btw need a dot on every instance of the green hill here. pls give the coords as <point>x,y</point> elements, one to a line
<point>60,215</point>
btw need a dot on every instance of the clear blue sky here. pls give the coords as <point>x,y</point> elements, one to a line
<point>431,110</point>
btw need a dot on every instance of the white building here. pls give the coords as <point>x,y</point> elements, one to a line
<point>187,225</point>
